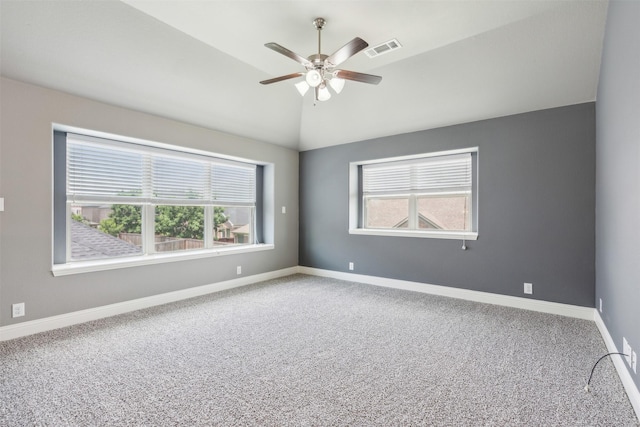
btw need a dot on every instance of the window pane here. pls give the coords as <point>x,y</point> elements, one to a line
<point>445,212</point>
<point>179,228</point>
<point>233,225</point>
<point>105,231</point>
<point>387,212</point>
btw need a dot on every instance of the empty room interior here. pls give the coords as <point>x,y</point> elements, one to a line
<point>319,212</point>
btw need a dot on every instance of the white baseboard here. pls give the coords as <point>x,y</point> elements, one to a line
<point>567,310</point>
<point>618,362</point>
<point>54,322</point>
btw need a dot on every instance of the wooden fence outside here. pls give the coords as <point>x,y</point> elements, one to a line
<point>164,243</point>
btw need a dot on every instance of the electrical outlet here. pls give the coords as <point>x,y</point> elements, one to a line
<point>634,361</point>
<point>17,310</point>
<point>528,288</point>
<point>626,350</point>
<point>239,269</point>
<point>351,266</point>
<point>600,305</point>
<point>284,209</point>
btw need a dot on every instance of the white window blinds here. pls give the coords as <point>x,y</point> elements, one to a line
<point>424,175</point>
<point>104,170</point>
<point>97,171</point>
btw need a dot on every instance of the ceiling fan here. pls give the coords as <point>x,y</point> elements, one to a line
<point>320,69</point>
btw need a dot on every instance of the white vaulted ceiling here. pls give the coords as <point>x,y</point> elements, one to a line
<point>200,61</point>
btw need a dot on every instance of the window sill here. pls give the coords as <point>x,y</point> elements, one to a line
<point>452,235</point>
<point>117,263</point>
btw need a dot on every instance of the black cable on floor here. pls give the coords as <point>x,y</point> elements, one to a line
<point>586,388</point>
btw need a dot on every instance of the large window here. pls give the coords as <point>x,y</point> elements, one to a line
<point>428,195</point>
<point>115,200</point>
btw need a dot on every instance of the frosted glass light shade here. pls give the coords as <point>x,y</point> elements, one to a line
<point>302,87</point>
<point>313,78</point>
<point>323,93</point>
<point>337,84</point>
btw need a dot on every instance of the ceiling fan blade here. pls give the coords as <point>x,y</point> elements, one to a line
<point>289,54</point>
<point>345,52</point>
<point>358,77</point>
<point>281,78</point>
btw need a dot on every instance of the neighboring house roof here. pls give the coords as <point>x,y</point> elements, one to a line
<point>90,243</point>
<point>446,213</point>
<point>226,225</point>
<point>423,221</point>
<point>242,229</point>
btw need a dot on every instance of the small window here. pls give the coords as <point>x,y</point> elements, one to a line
<point>429,195</point>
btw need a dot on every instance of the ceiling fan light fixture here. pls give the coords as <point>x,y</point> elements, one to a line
<point>337,84</point>
<point>302,87</point>
<point>320,69</point>
<point>313,78</point>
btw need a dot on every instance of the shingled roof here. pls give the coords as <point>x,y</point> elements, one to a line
<point>90,243</point>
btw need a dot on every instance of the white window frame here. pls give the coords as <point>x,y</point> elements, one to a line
<point>357,205</point>
<point>149,257</point>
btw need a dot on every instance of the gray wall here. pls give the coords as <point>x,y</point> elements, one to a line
<point>536,209</point>
<point>618,176</point>
<point>27,114</point>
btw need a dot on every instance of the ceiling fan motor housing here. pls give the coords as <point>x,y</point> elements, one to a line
<point>317,59</point>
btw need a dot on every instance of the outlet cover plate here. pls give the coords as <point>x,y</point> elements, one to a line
<point>528,288</point>
<point>17,310</point>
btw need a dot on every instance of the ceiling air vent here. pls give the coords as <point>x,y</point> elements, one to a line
<point>382,48</point>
